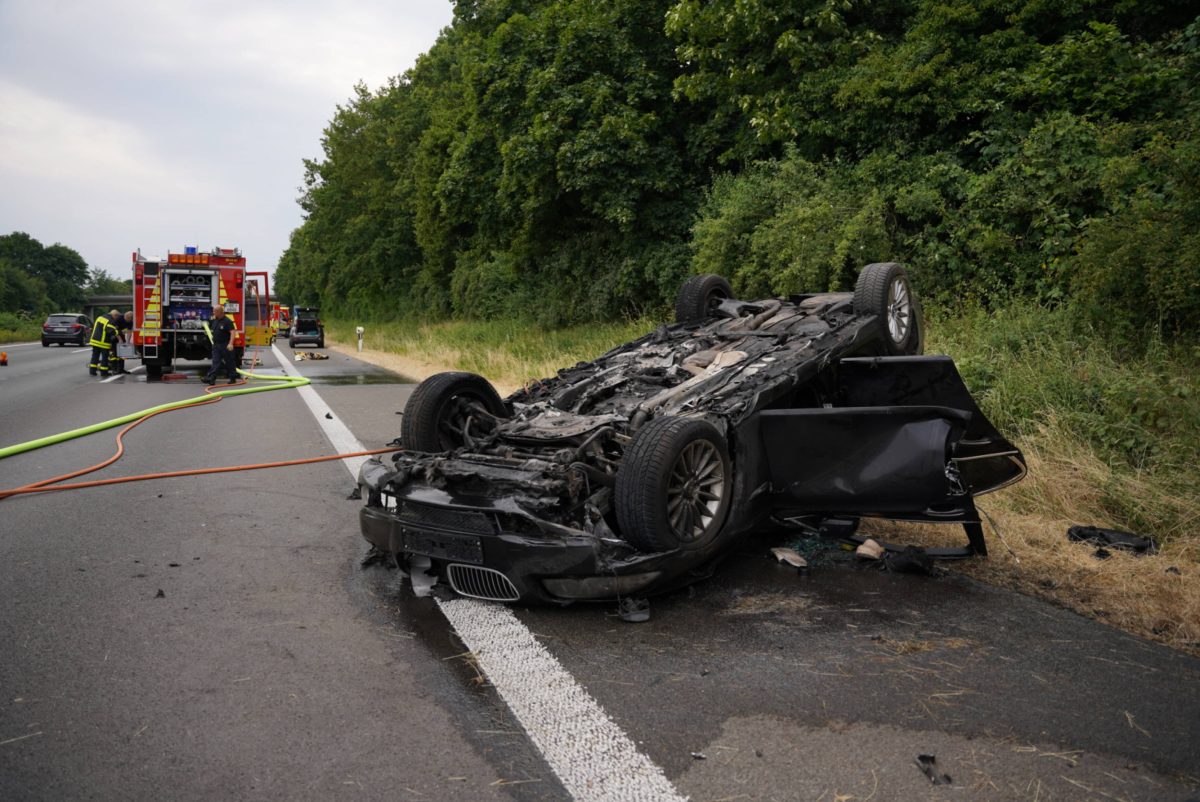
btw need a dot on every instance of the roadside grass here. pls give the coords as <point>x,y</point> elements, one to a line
<point>1111,433</point>
<point>15,330</point>
<point>508,352</point>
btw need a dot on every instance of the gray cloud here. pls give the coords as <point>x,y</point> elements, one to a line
<point>128,124</point>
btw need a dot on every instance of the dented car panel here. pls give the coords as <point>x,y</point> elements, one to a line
<point>781,408</point>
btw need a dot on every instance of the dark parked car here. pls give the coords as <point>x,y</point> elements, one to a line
<point>631,473</point>
<point>66,329</point>
<point>307,329</point>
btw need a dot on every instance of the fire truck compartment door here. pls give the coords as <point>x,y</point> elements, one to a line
<point>257,316</point>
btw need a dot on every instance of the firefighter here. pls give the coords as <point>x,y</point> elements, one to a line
<point>123,324</point>
<point>223,333</point>
<point>104,335</point>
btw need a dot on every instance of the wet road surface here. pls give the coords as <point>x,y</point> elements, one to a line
<point>272,666</point>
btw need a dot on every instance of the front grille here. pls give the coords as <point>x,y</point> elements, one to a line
<point>481,583</point>
<point>446,518</point>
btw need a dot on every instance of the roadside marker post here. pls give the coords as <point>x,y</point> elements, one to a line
<point>359,331</point>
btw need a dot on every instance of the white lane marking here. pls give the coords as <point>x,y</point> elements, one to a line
<point>340,437</point>
<point>6,346</point>
<point>593,758</point>
<point>81,350</point>
<point>119,375</point>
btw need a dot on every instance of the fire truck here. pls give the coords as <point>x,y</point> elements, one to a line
<point>174,297</point>
<point>280,319</point>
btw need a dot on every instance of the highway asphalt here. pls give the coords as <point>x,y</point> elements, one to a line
<point>214,637</point>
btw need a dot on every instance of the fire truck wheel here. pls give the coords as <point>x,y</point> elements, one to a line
<point>153,372</point>
<point>238,353</point>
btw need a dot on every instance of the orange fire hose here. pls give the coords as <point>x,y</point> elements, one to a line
<point>53,484</point>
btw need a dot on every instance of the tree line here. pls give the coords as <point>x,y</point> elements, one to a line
<point>564,160</point>
<point>37,279</point>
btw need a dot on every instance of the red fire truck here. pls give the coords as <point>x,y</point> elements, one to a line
<point>173,297</point>
<point>280,320</point>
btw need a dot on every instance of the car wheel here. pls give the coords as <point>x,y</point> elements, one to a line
<point>674,485</point>
<point>883,290</point>
<point>445,409</point>
<point>321,343</point>
<point>699,297</point>
<point>291,343</point>
<point>45,344</point>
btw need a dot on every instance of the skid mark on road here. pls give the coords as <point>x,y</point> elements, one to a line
<point>593,758</point>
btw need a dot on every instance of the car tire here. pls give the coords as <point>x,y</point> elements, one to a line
<point>291,343</point>
<point>883,290</point>
<point>435,409</point>
<point>321,343</point>
<point>699,297</point>
<point>45,344</point>
<point>667,470</point>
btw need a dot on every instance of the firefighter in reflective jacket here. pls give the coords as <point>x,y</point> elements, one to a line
<point>104,336</point>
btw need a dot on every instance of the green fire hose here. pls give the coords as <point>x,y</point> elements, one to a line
<point>277,383</point>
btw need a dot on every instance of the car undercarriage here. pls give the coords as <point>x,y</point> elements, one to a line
<point>632,471</point>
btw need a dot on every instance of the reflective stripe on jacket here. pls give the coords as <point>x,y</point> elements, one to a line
<point>104,333</point>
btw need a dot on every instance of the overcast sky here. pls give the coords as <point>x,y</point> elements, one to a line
<point>130,124</point>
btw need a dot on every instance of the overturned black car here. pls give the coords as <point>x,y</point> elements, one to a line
<point>630,474</point>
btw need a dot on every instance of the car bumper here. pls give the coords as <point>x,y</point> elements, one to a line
<point>511,567</point>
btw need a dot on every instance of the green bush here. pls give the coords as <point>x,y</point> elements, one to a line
<point>1139,266</point>
<point>19,327</point>
<point>1136,405</point>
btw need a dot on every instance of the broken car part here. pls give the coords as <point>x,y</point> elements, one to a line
<point>1112,538</point>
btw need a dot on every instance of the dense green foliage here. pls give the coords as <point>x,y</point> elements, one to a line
<point>18,328</point>
<point>36,279</point>
<point>101,282</point>
<point>532,162</point>
<point>564,161</point>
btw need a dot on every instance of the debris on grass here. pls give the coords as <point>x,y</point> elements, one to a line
<point>1106,539</point>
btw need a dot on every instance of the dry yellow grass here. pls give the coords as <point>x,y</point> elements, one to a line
<point>1154,596</point>
<point>508,352</point>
